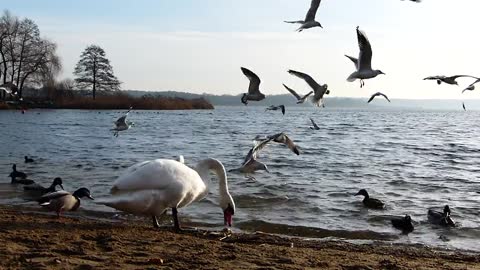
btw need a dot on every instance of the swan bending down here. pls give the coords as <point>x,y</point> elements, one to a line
<point>150,187</point>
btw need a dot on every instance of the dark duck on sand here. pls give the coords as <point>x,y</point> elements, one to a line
<point>403,223</point>
<point>62,201</point>
<point>370,202</point>
<point>16,174</point>
<point>439,218</point>
<point>43,190</point>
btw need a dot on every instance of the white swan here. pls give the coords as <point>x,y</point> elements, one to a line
<point>150,187</point>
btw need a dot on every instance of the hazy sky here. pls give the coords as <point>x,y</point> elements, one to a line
<point>199,45</point>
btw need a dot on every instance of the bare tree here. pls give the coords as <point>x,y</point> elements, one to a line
<point>26,58</point>
<point>94,71</point>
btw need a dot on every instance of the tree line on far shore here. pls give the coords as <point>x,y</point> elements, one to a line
<point>29,63</point>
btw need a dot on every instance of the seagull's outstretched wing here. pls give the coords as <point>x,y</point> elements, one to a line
<point>253,88</point>
<point>121,120</point>
<point>313,10</point>
<point>297,96</point>
<point>463,105</point>
<point>378,94</point>
<point>471,87</point>
<point>283,109</point>
<point>309,80</point>
<point>354,60</point>
<point>365,55</point>
<point>283,138</point>
<point>257,146</point>
<point>434,78</point>
<point>463,76</point>
<point>314,124</point>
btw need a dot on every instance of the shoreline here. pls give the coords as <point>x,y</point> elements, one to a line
<point>41,241</point>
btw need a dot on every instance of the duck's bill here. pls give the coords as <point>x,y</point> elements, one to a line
<point>61,186</point>
<point>90,197</point>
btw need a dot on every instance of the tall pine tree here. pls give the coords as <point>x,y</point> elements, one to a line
<point>94,71</point>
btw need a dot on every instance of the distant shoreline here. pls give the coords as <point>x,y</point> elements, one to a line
<point>112,102</point>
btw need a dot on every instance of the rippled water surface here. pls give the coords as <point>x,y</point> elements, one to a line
<point>412,160</point>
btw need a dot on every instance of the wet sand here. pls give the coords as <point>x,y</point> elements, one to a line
<point>38,241</point>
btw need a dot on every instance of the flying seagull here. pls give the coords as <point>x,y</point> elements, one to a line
<point>274,108</point>
<point>315,126</point>
<point>471,87</point>
<point>253,88</point>
<point>300,100</point>
<point>449,79</point>
<point>309,21</point>
<point>250,164</point>
<point>318,90</point>
<point>122,124</point>
<point>364,62</point>
<point>378,94</point>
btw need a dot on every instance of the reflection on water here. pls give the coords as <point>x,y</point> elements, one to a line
<point>412,160</point>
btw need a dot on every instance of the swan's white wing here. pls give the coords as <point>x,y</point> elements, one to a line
<point>159,174</point>
<point>365,55</point>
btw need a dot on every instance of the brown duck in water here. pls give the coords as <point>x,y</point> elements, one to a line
<point>403,223</point>
<point>370,202</point>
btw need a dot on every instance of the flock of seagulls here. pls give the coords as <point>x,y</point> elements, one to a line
<point>151,187</point>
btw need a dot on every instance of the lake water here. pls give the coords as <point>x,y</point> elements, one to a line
<point>412,160</point>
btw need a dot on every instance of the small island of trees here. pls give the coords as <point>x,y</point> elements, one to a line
<point>29,66</point>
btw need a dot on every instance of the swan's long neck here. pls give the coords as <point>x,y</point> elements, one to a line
<point>203,168</point>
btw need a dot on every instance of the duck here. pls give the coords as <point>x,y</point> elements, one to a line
<point>16,174</point>
<point>61,201</point>
<point>439,218</point>
<point>370,202</point>
<point>151,187</point>
<point>43,190</point>
<point>403,223</point>
<point>28,160</point>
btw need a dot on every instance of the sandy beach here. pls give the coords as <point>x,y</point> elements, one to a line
<point>39,241</point>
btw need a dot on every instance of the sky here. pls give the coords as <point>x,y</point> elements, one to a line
<point>199,46</point>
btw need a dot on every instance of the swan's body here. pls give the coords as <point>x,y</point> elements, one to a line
<point>151,187</point>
